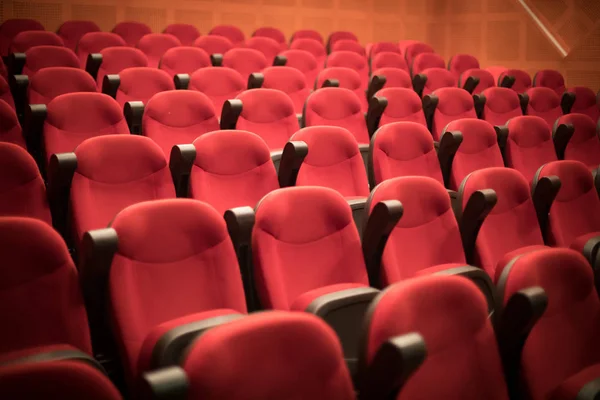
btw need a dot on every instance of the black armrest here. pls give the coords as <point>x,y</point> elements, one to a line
<point>566,102</point>
<point>419,82</point>
<point>61,169</point>
<point>331,83</point>
<point>596,176</point>
<point>216,60</point>
<point>479,101</point>
<point>471,83</point>
<point>291,160</point>
<point>518,317</point>
<point>474,213</point>
<point>377,106</point>
<point>480,278</point>
<point>449,144</point>
<point>590,391</point>
<point>502,136</point>
<point>56,355</point>
<point>33,130</point>
<point>18,88</point>
<point>544,192</point>
<point>344,311</point>
<point>280,61</point>
<point>380,224</point>
<point>357,205</point>
<point>524,100</point>
<point>16,62</point>
<point>171,346</point>
<point>110,85</point>
<point>376,83</point>
<point>182,81</point>
<point>590,250</point>
<point>256,80</point>
<point>169,383</point>
<point>230,113</point>
<point>134,111</point>
<point>395,361</point>
<point>98,248</point>
<point>93,63</point>
<point>430,103</point>
<point>180,163</point>
<point>561,136</point>
<point>508,81</point>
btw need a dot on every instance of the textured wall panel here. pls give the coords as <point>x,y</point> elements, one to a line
<point>464,37</point>
<point>155,18</point>
<point>387,7</point>
<point>465,7</point>
<point>574,27</point>
<point>502,39</point>
<point>203,20</point>
<point>386,31</point>
<point>317,3</point>
<point>552,10</point>
<point>538,48</point>
<point>590,8</point>
<point>502,6</point>
<point>436,36</point>
<point>49,14</point>
<point>245,21</point>
<point>104,16</point>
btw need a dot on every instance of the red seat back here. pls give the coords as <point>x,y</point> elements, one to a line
<point>141,83</point>
<point>71,31</point>
<point>501,104</point>
<point>219,84</point>
<point>214,44</point>
<point>453,104</point>
<point>28,39</point>
<point>233,33</point>
<point>584,145</point>
<point>184,60</point>
<point>186,33</point>
<point>550,78</point>
<point>544,103</point>
<point>116,59</point>
<point>49,83</point>
<point>403,105</point>
<point>245,61</point>
<point>154,45</point>
<point>290,81</point>
<point>131,31</point>
<point>11,28</point>
<point>95,42</point>
<point>39,57</point>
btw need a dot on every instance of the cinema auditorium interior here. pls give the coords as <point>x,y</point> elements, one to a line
<point>300,199</point>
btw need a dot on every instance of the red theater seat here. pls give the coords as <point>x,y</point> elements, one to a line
<point>446,105</point>
<point>10,129</point>
<point>116,59</point>
<point>131,31</point>
<point>346,78</point>
<point>383,47</point>
<point>545,103</point>
<point>411,50</point>
<point>349,45</point>
<point>550,78</point>
<point>352,60</point>
<point>219,84</point>
<point>11,28</point>
<point>498,105</point>
<point>50,83</point>
<point>154,45</point>
<point>522,79</point>
<point>39,57</point>
<point>424,61</point>
<point>305,62</point>
<point>214,44</point>
<point>184,60</point>
<point>388,59</point>
<point>272,33</point>
<point>313,46</point>
<point>137,84</point>
<point>267,46</point>
<point>584,145</point>
<point>433,79</point>
<point>290,81</point>
<point>72,31</point>
<point>95,42</point>
<point>486,79</point>
<point>460,63</point>
<point>186,33</point>
<point>402,105</point>
<point>307,34</point>
<point>337,36</point>
<point>233,33</point>
<point>28,39</point>
<point>586,102</point>
<point>394,78</point>
<point>245,61</point>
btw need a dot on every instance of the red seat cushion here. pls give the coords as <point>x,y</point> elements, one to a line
<point>154,45</point>
<point>10,129</point>
<point>403,105</point>
<point>544,103</point>
<point>50,83</point>
<point>453,104</point>
<point>39,57</point>
<point>219,84</point>
<point>501,104</point>
<point>184,60</point>
<point>131,31</point>
<point>94,42</point>
<point>141,83</point>
<point>72,31</point>
<point>584,145</point>
<point>116,59</point>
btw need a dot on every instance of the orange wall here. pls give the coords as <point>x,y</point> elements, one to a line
<point>498,32</point>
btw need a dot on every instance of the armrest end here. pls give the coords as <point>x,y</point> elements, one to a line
<point>230,113</point>
<point>291,160</point>
<point>475,211</point>
<point>480,278</point>
<point>61,169</point>
<point>479,101</point>
<point>331,83</point>
<point>180,163</point>
<point>93,63</point>
<point>449,144</point>
<point>256,80</point>
<point>110,85</point>
<point>133,112</point>
<point>216,60</point>
<point>590,391</point>
<point>182,81</point>
<point>16,62</point>
<point>35,117</point>
<point>280,61</point>
<point>471,83</point>
<point>430,103</point>
<point>419,82</point>
<point>544,190</point>
<point>165,384</point>
<point>376,83</point>
<point>508,81</point>
<point>561,137</point>
<point>566,102</point>
<point>524,100</point>
<point>377,106</point>
<point>18,87</point>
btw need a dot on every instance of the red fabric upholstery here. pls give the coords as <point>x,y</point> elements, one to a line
<point>290,81</point>
<point>383,47</point>
<point>95,42</point>
<point>352,60</point>
<point>313,46</point>
<point>214,44</point>
<point>460,63</point>
<point>131,31</point>
<point>141,83</point>
<point>270,32</point>
<point>423,61</point>
<point>178,117</point>
<point>388,59</point>
<point>5,94</point>
<point>585,102</point>
<point>3,71</point>
<point>438,78</point>
<point>219,84</point>
<point>451,315</point>
<point>512,223</point>
<point>348,79</point>
<point>176,250</point>
<point>453,104</point>
<point>154,45</point>
<point>267,46</point>
<point>39,57</point>
<point>71,31</point>
<point>114,172</point>
<point>304,239</point>
<point>233,33</point>
<point>306,63</point>
<point>529,145</point>
<point>569,389</point>
<point>75,117</point>
<point>232,169</point>
<point>116,59</point>
<point>486,79</point>
<point>339,35</point>
<point>293,354</point>
<point>563,343</point>
<point>404,44</point>
<point>307,34</point>
<point>501,104</point>
<point>403,105</point>
<point>576,209</point>
<point>414,49</point>
<point>349,45</point>
<point>404,149</point>
<point>584,145</point>
<point>22,189</point>
<point>28,39</point>
<point>511,255</point>
<point>10,130</point>
<point>550,78</point>
<point>184,60</point>
<point>496,71</point>
<point>186,33</point>
<point>522,79</point>
<point>51,82</point>
<point>478,150</point>
<point>394,77</point>
<point>545,103</point>
<point>42,303</point>
<point>337,107</point>
<point>61,379</point>
<point>270,114</point>
<point>426,236</point>
<point>12,27</point>
<point>245,61</point>
<point>333,161</point>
